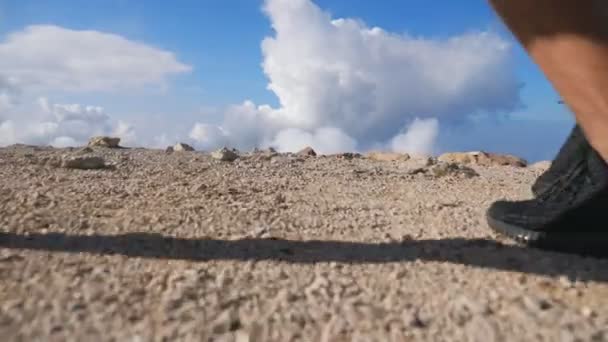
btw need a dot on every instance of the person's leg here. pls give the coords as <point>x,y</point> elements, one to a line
<point>568,39</point>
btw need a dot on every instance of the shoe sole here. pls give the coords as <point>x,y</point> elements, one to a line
<point>514,232</point>
<point>586,243</point>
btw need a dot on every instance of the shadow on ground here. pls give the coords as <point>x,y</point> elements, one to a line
<point>472,252</point>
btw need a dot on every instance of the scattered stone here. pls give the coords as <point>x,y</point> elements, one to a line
<point>387,156</point>
<point>398,274</point>
<point>22,146</point>
<point>84,150</point>
<point>260,232</point>
<point>536,305</point>
<point>483,159</point>
<point>295,160</point>
<point>428,161</point>
<point>566,282</point>
<point>50,161</point>
<point>169,149</point>
<point>307,152</point>
<point>587,312</point>
<point>84,163</point>
<point>443,169</point>
<point>481,329</point>
<point>101,141</point>
<point>268,150</point>
<point>349,155</point>
<point>419,165</point>
<point>458,157</point>
<point>422,161</point>
<point>280,199</point>
<point>264,155</point>
<point>416,319</point>
<point>464,309</point>
<point>224,154</point>
<point>226,322</point>
<point>181,147</point>
<point>198,187</point>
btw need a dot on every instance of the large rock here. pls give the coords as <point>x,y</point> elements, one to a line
<point>225,154</point>
<point>387,156</point>
<point>101,141</point>
<point>483,159</point>
<point>307,152</point>
<point>181,147</point>
<point>84,162</point>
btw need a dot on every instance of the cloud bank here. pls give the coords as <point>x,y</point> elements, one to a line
<point>62,125</point>
<point>52,57</point>
<point>8,94</point>
<point>343,85</point>
<point>49,58</point>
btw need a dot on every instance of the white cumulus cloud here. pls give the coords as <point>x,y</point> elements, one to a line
<point>125,132</point>
<point>47,58</point>
<point>419,138</point>
<point>7,133</point>
<point>64,141</point>
<point>343,85</point>
<point>53,57</point>
<point>208,136</point>
<point>73,112</point>
<point>9,93</point>
<point>61,125</point>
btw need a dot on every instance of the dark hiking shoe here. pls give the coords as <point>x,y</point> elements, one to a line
<point>574,149</point>
<point>570,218</point>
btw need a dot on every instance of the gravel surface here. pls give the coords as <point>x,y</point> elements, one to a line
<point>180,246</point>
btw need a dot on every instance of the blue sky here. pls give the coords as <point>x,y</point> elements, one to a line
<point>220,40</point>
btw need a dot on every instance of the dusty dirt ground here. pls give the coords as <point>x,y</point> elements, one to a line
<point>164,247</point>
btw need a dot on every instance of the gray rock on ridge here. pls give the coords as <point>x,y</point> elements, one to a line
<point>225,154</point>
<point>103,141</point>
<point>181,147</point>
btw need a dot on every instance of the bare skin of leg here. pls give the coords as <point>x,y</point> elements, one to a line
<point>568,39</point>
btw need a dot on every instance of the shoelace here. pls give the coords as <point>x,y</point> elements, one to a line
<point>565,190</point>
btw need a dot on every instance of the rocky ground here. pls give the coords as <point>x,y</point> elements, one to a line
<point>163,246</point>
